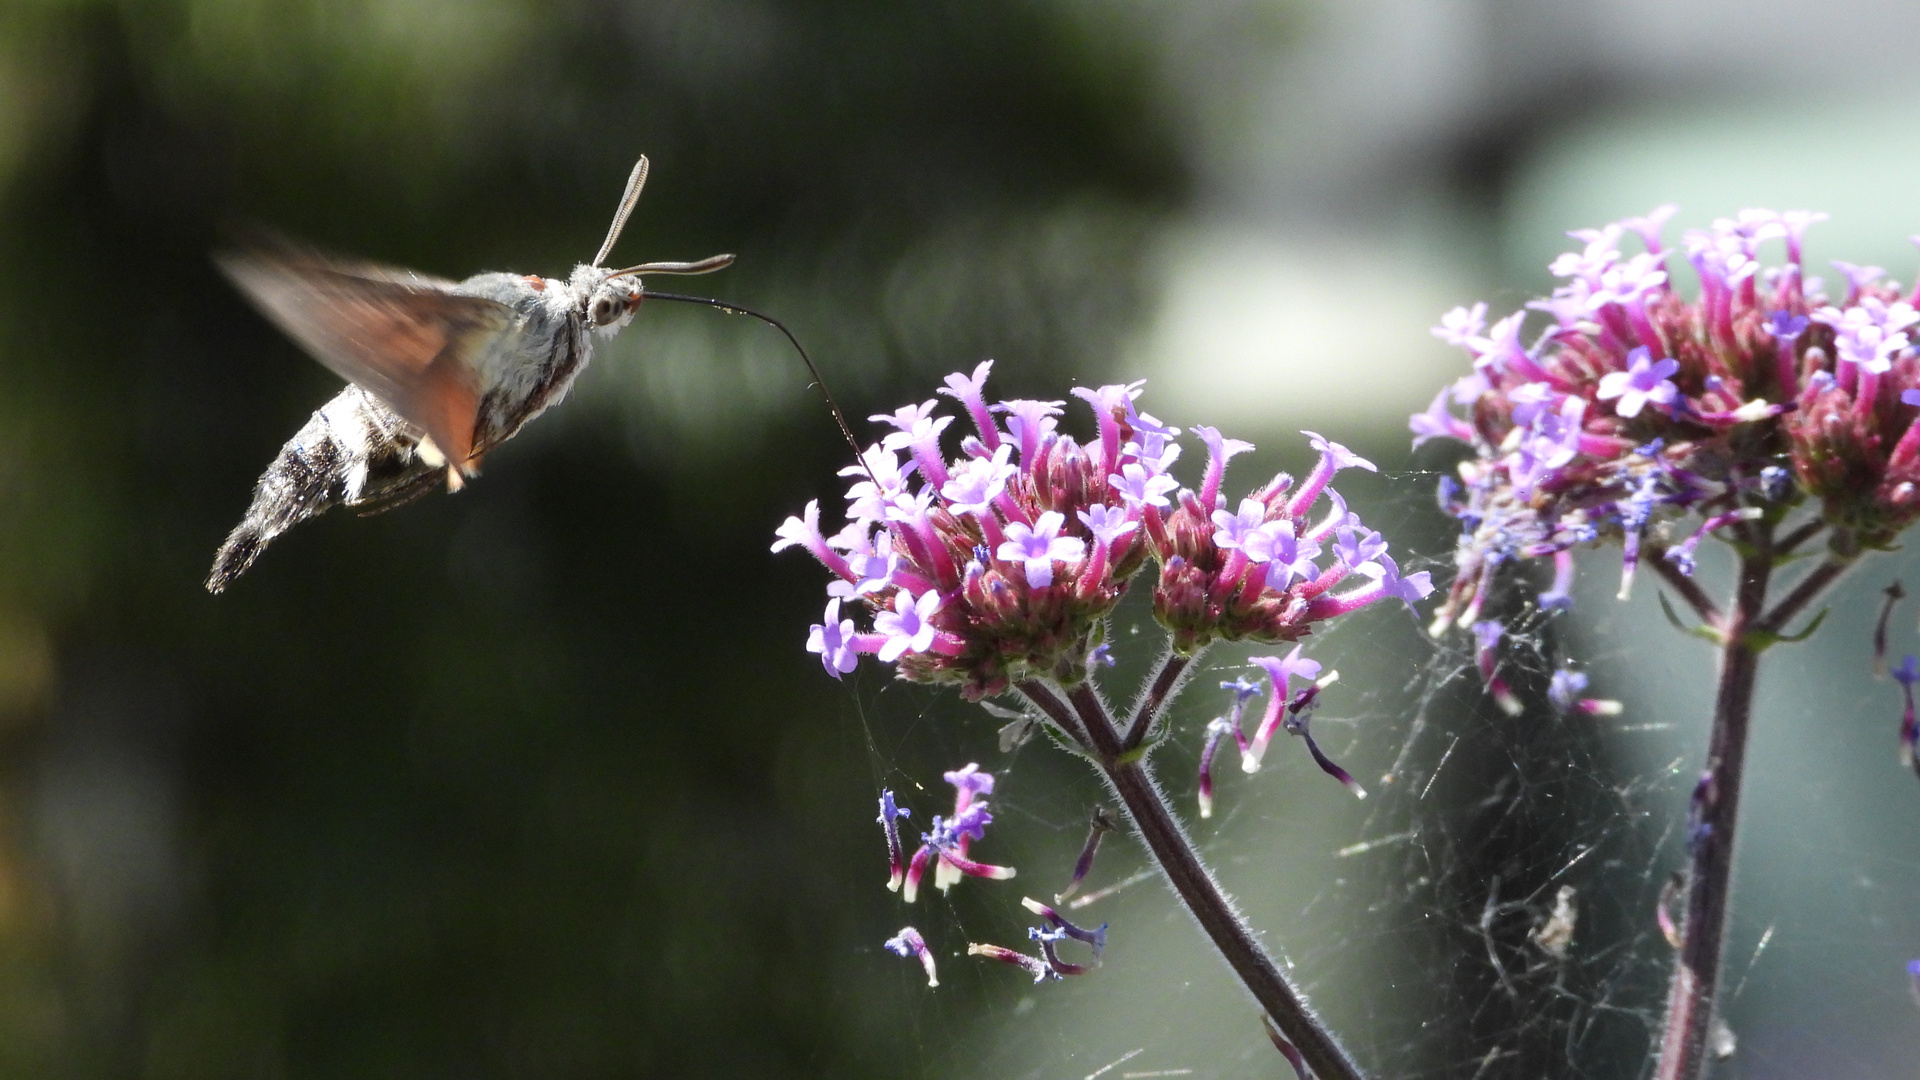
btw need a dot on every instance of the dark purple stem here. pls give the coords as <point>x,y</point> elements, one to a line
<point>1133,781</point>
<point>1809,589</point>
<point>1166,679</point>
<point>1696,971</point>
<point>1746,631</point>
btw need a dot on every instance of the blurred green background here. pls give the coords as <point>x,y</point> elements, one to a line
<point>537,781</point>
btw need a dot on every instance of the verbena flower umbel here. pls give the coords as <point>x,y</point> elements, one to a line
<point>1640,415</point>
<point>1636,405</point>
<point>993,570</point>
<point>1000,564</point>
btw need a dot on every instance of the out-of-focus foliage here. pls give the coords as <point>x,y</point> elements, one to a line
<point>531,780</point>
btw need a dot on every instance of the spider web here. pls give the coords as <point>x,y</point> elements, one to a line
<point>1421,922</point>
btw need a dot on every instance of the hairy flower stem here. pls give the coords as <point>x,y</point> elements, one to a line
<point>1746,630</point>
<point>1089,720</point>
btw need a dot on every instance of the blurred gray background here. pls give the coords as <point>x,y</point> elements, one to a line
<point>537,781</point>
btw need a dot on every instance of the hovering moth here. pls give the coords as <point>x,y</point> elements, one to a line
<point>439,372</point>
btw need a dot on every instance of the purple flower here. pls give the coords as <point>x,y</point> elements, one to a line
<point>907,627</point>
<point>868,502</point>
<point>1287,557</point>
<point>1039,547</point>
<point>970,392</point>
<point>1139,487</point>
<point>1338,456</point>
<point>1107,523</point>
<point>1588,263</point>
<point>834,642</point>
<point>905,419</point>
<point>968,783</point>
<point>1858,277</point>
<point>1644,381</point>
<point>1869,333</point>
<point>973,485</point>
<point>1231,530</point>
<point>1029,423</point>
<point>1462,326</point>
<point>1359,554</point>
<point>1438,422</point>
<point>1648,227</point>
<point>1220,450</point>
<point>1564,691</point>
<point>1906,675</point>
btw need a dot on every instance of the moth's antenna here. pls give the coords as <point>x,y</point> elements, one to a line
<point>839,417</point>
<point>704,266</point>
<point>634,183</point>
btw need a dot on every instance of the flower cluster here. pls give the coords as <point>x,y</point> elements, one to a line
<point>1637,405</point>
<point>1001,564</point>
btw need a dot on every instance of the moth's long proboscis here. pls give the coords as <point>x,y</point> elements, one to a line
<point>839,418</point>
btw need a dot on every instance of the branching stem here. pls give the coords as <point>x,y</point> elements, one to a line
<point>1086,714</point>
<point>1689,590</point>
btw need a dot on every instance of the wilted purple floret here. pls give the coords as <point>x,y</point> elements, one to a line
<point>1565,687</point>
<point>1281,670</point>
<point>1032,964</point>
<point>1644,381</point>
<point>890,816</point>
<point>1906,675</point>
<point>908,942</point>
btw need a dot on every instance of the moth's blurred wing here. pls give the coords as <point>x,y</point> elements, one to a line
<point>403,337</point>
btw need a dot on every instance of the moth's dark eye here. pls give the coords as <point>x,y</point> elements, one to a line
<point>604,310</point>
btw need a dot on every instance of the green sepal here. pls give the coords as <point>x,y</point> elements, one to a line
<point>1760,641</point>
<point>1705,633</point>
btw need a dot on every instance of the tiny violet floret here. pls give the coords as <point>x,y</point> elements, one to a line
<point>909,943</point>
<point>1644,382</point>
<point>834,641</point>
